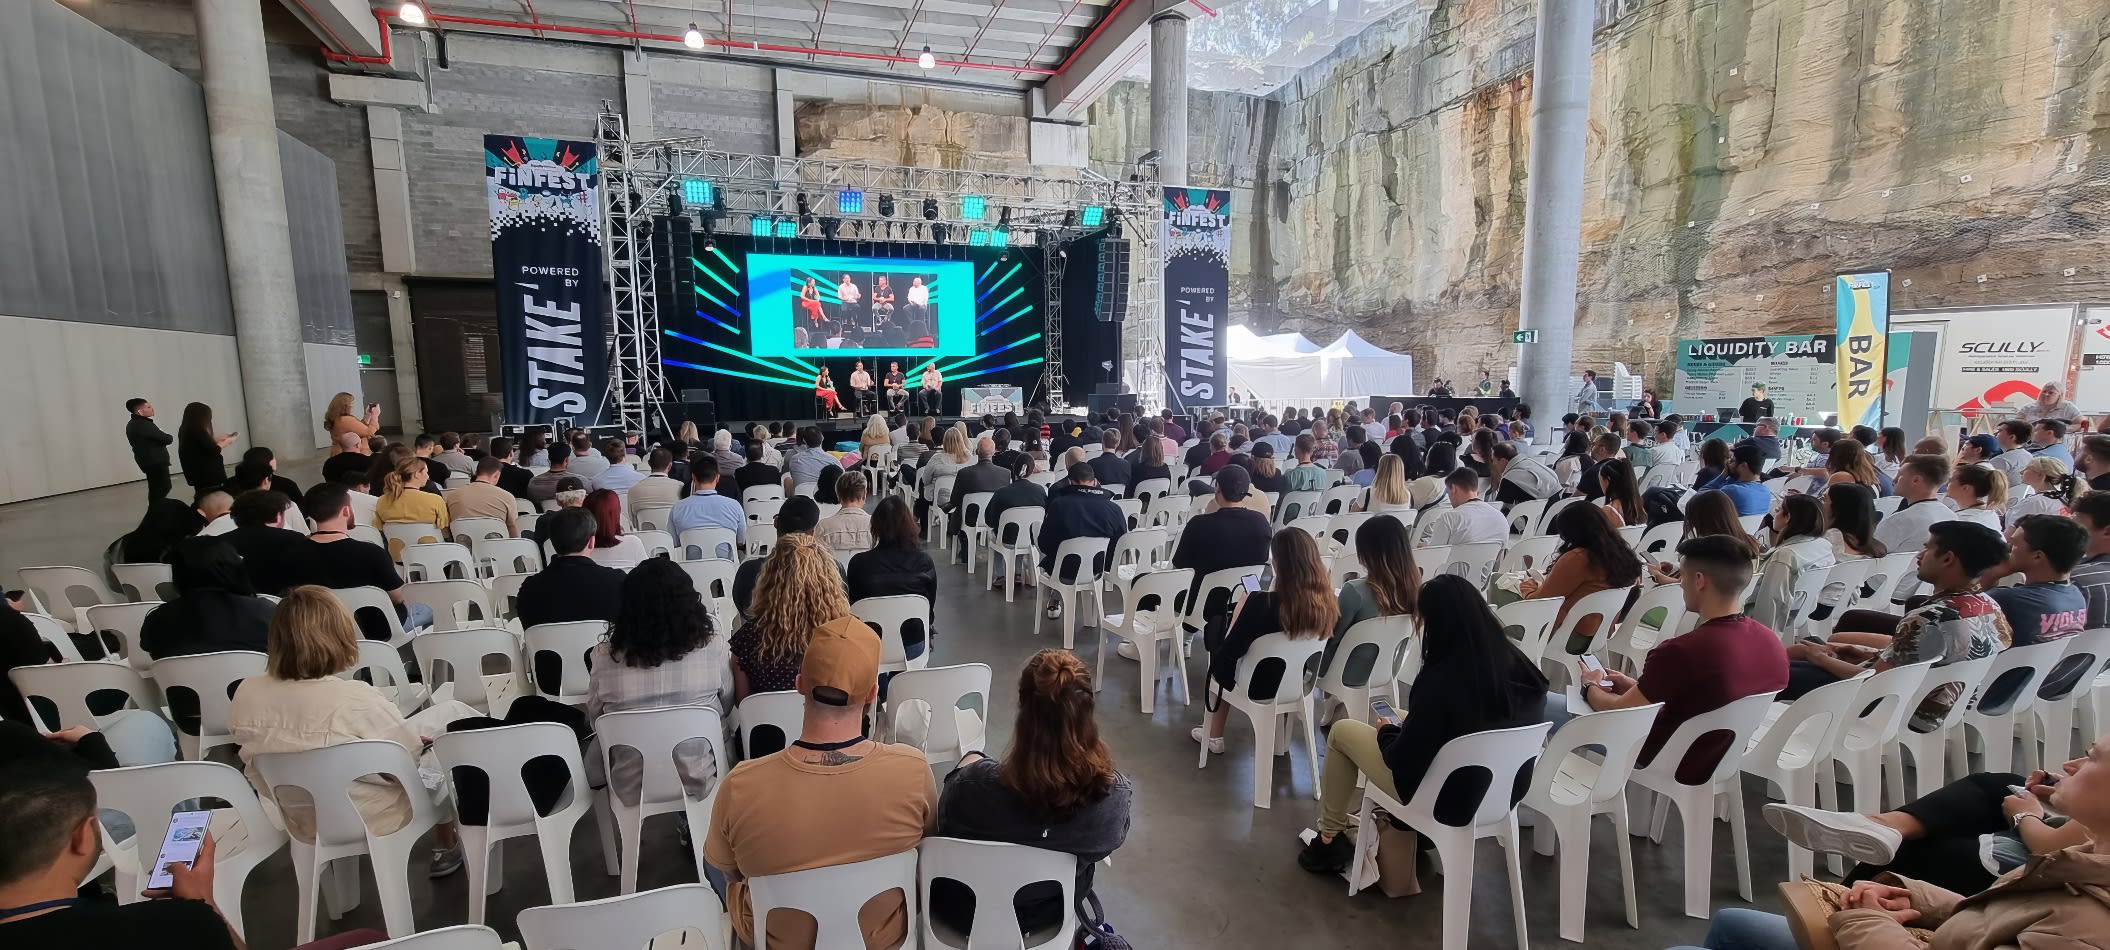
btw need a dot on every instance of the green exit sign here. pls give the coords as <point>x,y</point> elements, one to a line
<point>366,359</point>
<point>1524,336</point>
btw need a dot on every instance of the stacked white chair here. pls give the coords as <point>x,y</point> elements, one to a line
<point>833,895</point>
<point>210,679</point>
<point>327,774</point>
<point>1504,753</point>
<point>997,873</point>
<point>150,794</point>
<point>1167,591</point>
<point>933,694</point>
<point>499,753</point>
<point>1696,804</point>
<point>631,921</point>
<point>657,736</point>
<point>1570,787</point>
<point>1289,661</point>
<point>1792,746</point>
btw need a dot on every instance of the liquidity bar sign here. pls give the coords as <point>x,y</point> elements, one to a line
<point>1863,302</point>
<point>545,198</point>
<point>1197,295</point>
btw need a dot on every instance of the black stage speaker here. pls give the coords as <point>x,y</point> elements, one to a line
<point>673,243</point>
<point>1111,301</point>
<point>695,395</point>
<point>1111,396</point>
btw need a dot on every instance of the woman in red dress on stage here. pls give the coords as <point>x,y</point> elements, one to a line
<point>810,302</point>
<point>826,400</point>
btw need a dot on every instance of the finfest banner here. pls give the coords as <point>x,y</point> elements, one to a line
<point>1717,374</point>
<point>1197,295</point>
<point>1863,304</point>
<point>545,198</point>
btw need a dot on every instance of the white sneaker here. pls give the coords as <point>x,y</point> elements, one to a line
<point>1216,745</point>
<point>1859,837</point>
<point>1127,649</point>
<point>1054,610</point>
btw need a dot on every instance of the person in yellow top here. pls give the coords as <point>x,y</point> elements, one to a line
<point>404,500</point>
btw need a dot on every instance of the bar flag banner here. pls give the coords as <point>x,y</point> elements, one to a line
<point>1197,295</point>
<point>545,200</point>
<point>1863,302</point>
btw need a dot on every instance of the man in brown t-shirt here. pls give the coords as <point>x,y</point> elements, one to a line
<point>832,798</point>
<point>482,498</point>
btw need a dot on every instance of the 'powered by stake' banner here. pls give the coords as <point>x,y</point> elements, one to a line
<point>545,197</point>
<point>1197,295</point>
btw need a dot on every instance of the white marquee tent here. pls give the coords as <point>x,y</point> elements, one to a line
<point>1287,369</point>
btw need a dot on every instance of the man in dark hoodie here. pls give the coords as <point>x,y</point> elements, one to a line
<point>1078,508</point>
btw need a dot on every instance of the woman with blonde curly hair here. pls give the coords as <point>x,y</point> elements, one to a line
<point>337,419</point>
<point>800,589</point>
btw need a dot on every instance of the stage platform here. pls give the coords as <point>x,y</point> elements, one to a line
<point>847,429</point>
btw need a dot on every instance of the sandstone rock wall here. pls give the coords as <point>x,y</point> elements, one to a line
<point>1740,152</point>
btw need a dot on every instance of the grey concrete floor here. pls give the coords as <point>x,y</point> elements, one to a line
<point>1201,867</point>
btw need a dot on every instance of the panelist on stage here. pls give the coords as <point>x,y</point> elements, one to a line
<point>930,398</point>
<point>882,300</point>
<point>861,388</point>
<point>847,292</point>
<point>810,304</point>
<point>896,387</point>
<point>918,297</point>
<point>826,401</point>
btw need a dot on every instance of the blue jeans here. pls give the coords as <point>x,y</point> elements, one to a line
<point>1557,711</point>
<point>1741,928</point>
<point>417,615</point>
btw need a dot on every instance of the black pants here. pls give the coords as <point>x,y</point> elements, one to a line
<point>1955,815</point>
<point>545,777</point>
<point>158,485</point>
<point>1804,676</point>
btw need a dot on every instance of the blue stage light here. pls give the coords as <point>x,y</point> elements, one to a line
<point>1001,237</point>
<point>850,201</point>
<point>698,192</point>
<point>787,228</point>
<point>979,237</point>
<point>1094,215</point>
<point>758,226</point>
<point>972,207</point>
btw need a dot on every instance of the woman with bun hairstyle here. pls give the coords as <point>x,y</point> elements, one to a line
<point>1058,791</point>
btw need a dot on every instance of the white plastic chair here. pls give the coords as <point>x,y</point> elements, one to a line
<point>1929,751</point>
<point>63,589</point>
<point>834,895</point>
<point>1529,552</point>
<point>2086,653</point>
<point>1087,559</point>
<point>1298,504</point>
<point>1167,589</point>
<point>1149,490</point>
<point>1893,576</point>
<point>455,603</point>
<point>657,735</point>
<point>1841,584</point>
<point>457,937</point>
<point>327,774</point>
<point>1660,543</point>
<point>1635,636</point>
<point>1570,788</point>
<point>1696,803</point>
<point>1015,545</point>
<point>1505,753</point>
<point>935,694</point>
<point>123,622</point>
<point>996,872</point>
<point>708,543</point>
<point>1603,605</point>
<point>974,523</point>
<point>467,531</point>
<point>383,668</point>
<point>770,492</point>
<point>369,534</point>
<point>499,556</point>
<point>1998,726</point>
<point>714,578</point>
<point>761,539</point>
<point>1292,660</point>
<point>760,512</point>
<point>568,643</point>
<point>505,595</point>
<point>244,835</point>
<point>1136,552</point>
<point>1370,656</point>
<point>655,518</point>
<point>56,635</point>
<point>145,582</point>
<point>1336,500</point>
<point>402,534</point>
<point>373,603</point>
<point>655,541</point>
<point>70,686</point>
<point>1474,562</point>
<point>463,653</point>
<point>1793,745</point>
<point>1230,582</point>
<point>1525,517</point>
<point>782,712</point>
<point>890,617</point>
<point>629,922</point>
<point>500,752</point>
<point>211,679</point>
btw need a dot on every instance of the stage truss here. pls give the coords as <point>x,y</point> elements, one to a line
<point>644,180</point>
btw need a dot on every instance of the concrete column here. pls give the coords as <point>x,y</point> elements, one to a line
<point>1168,96</point>
<point>1560,107</point>
<point>637,97</point>
<point>252,197</point>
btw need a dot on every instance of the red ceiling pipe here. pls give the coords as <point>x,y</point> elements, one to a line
<point>725,43</point>
<point>382,60</point>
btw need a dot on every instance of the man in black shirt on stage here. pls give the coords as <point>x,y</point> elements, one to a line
<point>1757,406</point>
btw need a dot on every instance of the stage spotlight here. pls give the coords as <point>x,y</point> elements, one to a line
<point>692,37</point>
<point>979,237</point>
<point>1001,237</point>
<point>886,206</point>
<point>698,192</point>
<point>972,207</point>
<point>710,243</point>
<point>1069,218</point>
<point>925,59</point>
<point>412,13</point>
<point>1094,216</point>
<point>787,228</point>
<point>850,201</point>
<point>930,209</point>
<point>759,226</point>
<point>831,226</point>
<point>937,233</point>
<point>1003,216</point>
